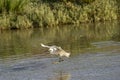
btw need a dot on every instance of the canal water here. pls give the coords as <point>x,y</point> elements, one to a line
<point>94,48</point>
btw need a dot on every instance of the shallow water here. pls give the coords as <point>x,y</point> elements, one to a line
<point>95,53</point>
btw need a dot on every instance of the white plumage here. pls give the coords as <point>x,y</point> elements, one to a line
<point>55,50</point>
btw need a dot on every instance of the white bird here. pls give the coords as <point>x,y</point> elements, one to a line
<point>55,50</point>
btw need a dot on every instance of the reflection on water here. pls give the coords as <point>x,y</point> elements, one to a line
<point>74,39</point>
<point>61,76</point>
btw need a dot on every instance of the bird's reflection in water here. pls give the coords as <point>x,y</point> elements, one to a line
<point>61,76</point>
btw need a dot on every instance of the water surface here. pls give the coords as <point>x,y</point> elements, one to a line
<point>94,48</point>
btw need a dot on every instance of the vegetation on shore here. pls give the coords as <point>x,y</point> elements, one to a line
<point>24,14</point>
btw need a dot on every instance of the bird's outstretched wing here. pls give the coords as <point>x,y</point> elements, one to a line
<point>45,45</point>
<point>56,50</point>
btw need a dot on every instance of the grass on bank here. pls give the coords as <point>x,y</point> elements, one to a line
<point>20,14</point>
<point>15,6</point>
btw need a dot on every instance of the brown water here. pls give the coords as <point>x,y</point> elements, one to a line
<point>95,53</point>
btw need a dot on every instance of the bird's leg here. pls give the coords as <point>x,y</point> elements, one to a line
<point>60,59</point>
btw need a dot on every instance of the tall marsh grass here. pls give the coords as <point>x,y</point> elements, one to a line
<point>19,14</point>
<point>12,5</point>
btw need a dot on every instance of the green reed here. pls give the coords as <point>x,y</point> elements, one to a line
<point>12,5</point>
<point>19,14</point>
